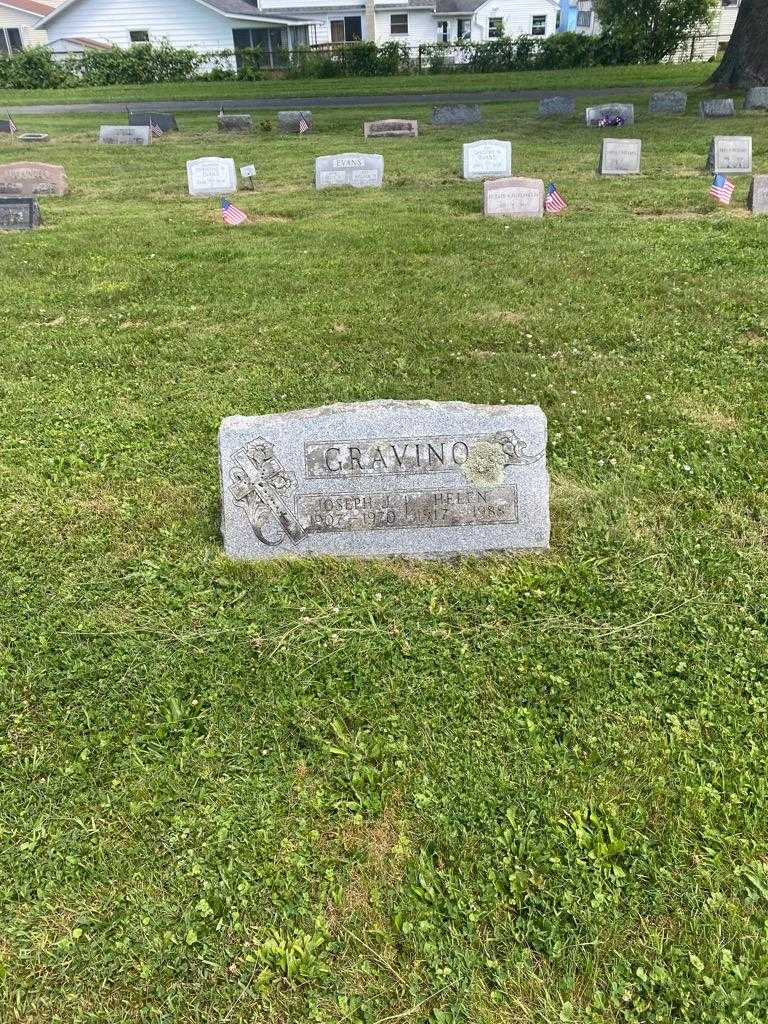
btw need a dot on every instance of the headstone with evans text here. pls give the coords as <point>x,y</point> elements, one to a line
<point>124,135</point>
<point>730,154</point>
<point>620,156</point>
<point>19,214</point>
<point>514,197</point>
<point>421,479</point>
<point>486,158</point>
<point>211,176</point>
<point>355,170</point>
<point>28,178</point>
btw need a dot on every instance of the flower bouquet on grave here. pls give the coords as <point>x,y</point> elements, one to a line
<point>611,121</point>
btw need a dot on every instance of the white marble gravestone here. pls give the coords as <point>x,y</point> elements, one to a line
<point>757,200</point>
<point>620,156</point>
<point>422,479</point>
<point>125,135</point>
<point>211,176</point>
<point>513,197</point>
<point>355,170</point>
<point>730,154</point>
<point>486,158</point>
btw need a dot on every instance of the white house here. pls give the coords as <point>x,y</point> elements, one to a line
<point>208,25</point>
<point>18,19</point>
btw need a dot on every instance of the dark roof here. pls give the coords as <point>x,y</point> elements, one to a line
<point>457,6</point>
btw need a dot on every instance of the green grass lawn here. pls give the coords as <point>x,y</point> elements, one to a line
<point>499,791</point>
<point>633,76</point>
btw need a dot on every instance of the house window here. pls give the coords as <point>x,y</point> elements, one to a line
<point>583,19</point>
<point>464,28</point>
<point>557,20</point>
<point>139,36</point>
<point>539,25</point>
<point>495,28</point>
<point>398,24</point>
<point>442,31</point>
<point>10,41</point>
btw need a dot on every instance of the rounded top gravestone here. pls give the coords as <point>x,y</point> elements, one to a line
<point>289,121</point>
<point>211,176</point>
<point>486,158</point>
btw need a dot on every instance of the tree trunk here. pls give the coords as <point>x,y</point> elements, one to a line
<point>745,62</point>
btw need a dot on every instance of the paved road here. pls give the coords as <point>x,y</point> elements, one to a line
<point>305,102</point>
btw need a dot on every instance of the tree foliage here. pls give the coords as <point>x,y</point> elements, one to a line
<point>647,31</point>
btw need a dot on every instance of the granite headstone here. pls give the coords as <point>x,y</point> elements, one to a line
<point>620,156</point>
<point>722,107</point>
<point>487,158</point>
<point>671,101</point>
<point>34,137</point>
<point>234,122</point>
<point>5,127</point>
<point>594,115</point>
<point>27,178</point>
<point>355,170</point>
<point>125,135</point>
<point>19,214</point>
<point>391,128</point>
<point>557,106</point>
<point>757,200</point>
<point>456,114</point>
<point>288,120</point>
<point>164,121</point>
<point>211,176</point>
<point>757,98</point>
<point>730,154</point>
<point>513,197</point>
<point>420,479</point>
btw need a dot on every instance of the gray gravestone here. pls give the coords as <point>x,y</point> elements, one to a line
<point>594,115</point>
<point>5,127</point>
<point>514,197</point>
<point>234,122</point>
<point>716,108</point>
<point>391,128</point>
<point>672,101</point>
<point>28,178</point>
<point>288,120</point>
<point>34,137</point>
<point>620,156</point>
<point>757,200</point>
<point>19,214</point>
<point>355,170</point>
<point>757,98</point>
<point>731,154</point>
<point>486,158</point>
<point>423,479</point>
<point>211,176</point>
<point>165,122</point>
<point>124,135</point>
<point>456,114</point>
<point>557,106</point>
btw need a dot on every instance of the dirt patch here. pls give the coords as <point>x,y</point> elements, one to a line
<point>710,417</point>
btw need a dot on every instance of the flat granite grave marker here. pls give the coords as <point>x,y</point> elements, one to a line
<point>731,154</point>
<point>391,128</point>
<point>594,115</point>
<point>165,122</point>
<point>716,108</point>
<point>34,137</point>
<point>288,120</point>
<point>557,106</point>
<point>19,214</point>
<point>757,200</point>
<point>671,101</point>
<point>422,479</point>
<point>27,178</point>
<point>354,170</point>
<point>513,197</point>
<point>451,114</point>
<point>211,176</point>
<point>757,98</point>
<point>619,156</point>
<point>124,135</point>
<point>234,122</point>
<point>486,158</point>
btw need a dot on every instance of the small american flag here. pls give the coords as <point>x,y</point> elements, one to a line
<point>721,189</point>
<point>12,125</point>
<point>553,201</point>
<point>155,129</point>
<point>303,124</point>
<point>232,215</point>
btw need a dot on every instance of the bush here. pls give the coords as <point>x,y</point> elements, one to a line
<point>33,69</point>
<point>137,65</point>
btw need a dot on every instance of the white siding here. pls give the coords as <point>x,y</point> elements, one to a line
<point>517,15</point>
<point>422,27</point>
<point>11,18</point>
